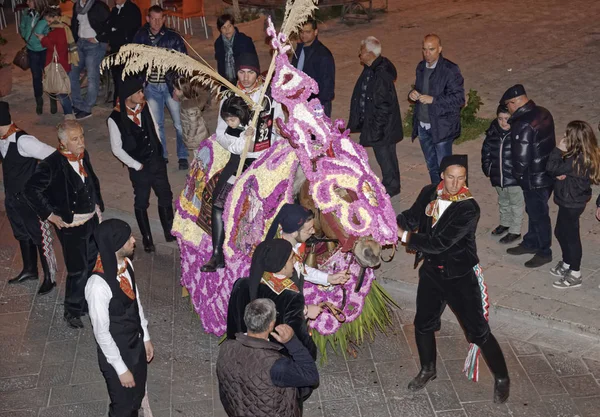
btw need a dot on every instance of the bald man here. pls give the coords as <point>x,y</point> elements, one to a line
<point>438,95</point>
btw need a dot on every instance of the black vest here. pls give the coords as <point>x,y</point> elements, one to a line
<point>141,143</point>
<point>16,169</point>
<point>125,324</point>
<point>83,194</point>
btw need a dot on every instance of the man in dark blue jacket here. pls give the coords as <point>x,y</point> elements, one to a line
<point>375,112</point>
<point>229,46</point>
<point>439,95</point>
<point>315,59</point>
<point>159,91</point>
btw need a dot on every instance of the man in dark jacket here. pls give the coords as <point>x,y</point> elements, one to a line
<point>315,59</point>
<point>496,162</point>
<point>255,377</point>
<point>160,89</point>
<point>65,191</point>
<point>532,138</point>
<point>375,112</point>
<point>229,46</point>
<point>439,95</point>
<point>91,32</point>
<point>124,21</point>
<point>441,226</point>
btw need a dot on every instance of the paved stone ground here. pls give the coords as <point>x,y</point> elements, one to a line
<point>49,370</point>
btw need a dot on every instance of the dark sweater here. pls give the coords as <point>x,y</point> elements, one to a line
<point>575,190</point>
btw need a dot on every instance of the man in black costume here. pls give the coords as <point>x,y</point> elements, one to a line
<point>135,141</point>
<point>440,227</point>
<point>120,328</point>
<point>65,191</point>
<point>19,154</point>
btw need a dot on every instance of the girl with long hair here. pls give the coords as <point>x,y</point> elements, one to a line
<point>575,163</point>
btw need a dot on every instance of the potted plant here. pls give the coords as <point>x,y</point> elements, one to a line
<point>5,72</point>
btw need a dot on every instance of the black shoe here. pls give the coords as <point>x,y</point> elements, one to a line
<point>46,287</point>
<point>82,115</point>
<point>39,105</point>
<point>183,164</point>
<point>501,390</point>
<point>48,284</point>
<point>166,220</point>
<point>499,230</point>
<point>53,106</point>
<point>509,238</point>
<point>427,373</point>
<point>216,261</point>
<point>144,225</point>
<point>29,256</point>
<point>538,261</point>
<point>75,110</point>
<point>72,321</point>
<point>520,250</point>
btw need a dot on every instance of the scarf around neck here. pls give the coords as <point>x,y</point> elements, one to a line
<point>229,60</point>
<point>73,158</point>
<point>433,208</point>
<point>84,9</point>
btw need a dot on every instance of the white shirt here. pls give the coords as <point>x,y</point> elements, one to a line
<point>116,143</point>
<point>28,147</point>
<point>98,295</point>
<point>312,274</point>
<point>236,145</point>
<point>85,29</point>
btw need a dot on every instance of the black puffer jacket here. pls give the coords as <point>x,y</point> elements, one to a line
<point>496,156</point>
<point>532,134</point>
<point>575,190</point>
<point>382,123</point>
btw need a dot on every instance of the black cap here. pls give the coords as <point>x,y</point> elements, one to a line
<point>5,118</point>
<point>129,86</point>
<point>514,91</point>
<point>248,61</point>
<point>461,160</point>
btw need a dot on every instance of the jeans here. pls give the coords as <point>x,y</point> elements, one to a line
<point>510,204</point>
<point>539,233</point>
<point>37,61</point>
<point>433,152</point>
<point>65,102</point>
<point>388,161</point>
<point>90,57</point>
<point>567,233</point>
<point>157,95</point>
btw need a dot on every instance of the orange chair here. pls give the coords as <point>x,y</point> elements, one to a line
<point>186,10</point>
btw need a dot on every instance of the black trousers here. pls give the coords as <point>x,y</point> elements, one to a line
<point>153,176</point>
<point>80,253</point>
<point>125,402</point>
<point>462,294</point>
<point>390,171</point>
<point>539,233</point>
<point>24,223</point>
<point>567,233</point>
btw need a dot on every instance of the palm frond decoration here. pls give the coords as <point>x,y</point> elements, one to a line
<point>137,58</point>
<point>296,13</point>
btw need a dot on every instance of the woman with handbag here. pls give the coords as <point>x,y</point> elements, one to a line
<point>32,23</point>
<point>56,43</point>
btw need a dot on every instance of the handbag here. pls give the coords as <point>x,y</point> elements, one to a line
<point>56,80</point>
<point>22,58</point>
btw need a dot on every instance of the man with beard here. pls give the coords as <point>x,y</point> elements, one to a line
<point>65,191</point>
<point>440,226</point>
<point>120,327</point>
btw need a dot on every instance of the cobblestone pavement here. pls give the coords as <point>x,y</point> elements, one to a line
<point>550,337</point>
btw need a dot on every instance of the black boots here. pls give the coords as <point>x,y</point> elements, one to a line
<point>144,225</point>
<point>39,105</point>
<point>29,255</point>
<point>166,220</point>
<point>427,356</point>
<point>492,353</point>
<point>217,260</point>
<point>48,284</point>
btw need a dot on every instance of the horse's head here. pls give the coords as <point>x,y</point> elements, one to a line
<point>367,252</point>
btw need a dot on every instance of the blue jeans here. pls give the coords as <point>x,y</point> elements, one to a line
<point>539,234</point>
<point>65,102</point>
<point>157,96</point>
<point>37,61</point>
<point>90,57</point>
<point>433,152</point>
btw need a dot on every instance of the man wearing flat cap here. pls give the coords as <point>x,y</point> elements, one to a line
<point>135,141</point>
<point>19,154</point>
<point>65,191</point>
<point>532,141</point>
<point>118,321</point>
<point>441,226</point>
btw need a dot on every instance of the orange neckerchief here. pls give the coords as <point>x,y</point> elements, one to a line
<point>278,285</point>
<point>133,113</point>
<point>12,129</point>
<point>124,282</point>
<point>73,158</point>
<point>299,257</point>
<point>432,209</point>
<point>253,88</point>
